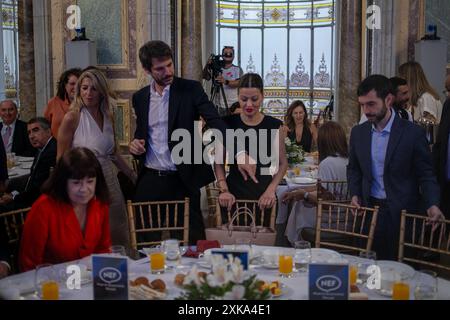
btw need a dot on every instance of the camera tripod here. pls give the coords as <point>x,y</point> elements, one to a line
<point>216,87</point>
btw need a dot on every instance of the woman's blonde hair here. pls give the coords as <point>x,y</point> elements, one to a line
<point>107,96</point>
<point>418,83</point>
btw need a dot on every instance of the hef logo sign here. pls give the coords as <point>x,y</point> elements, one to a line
<point>374,20</point>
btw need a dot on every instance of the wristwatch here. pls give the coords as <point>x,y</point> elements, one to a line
<point>305,196</point>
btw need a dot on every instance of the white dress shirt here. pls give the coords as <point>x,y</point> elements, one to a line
<point>158,154</point>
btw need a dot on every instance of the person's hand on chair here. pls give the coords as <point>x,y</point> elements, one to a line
<point>267,199</point>
<point>435,217</point>
<point>226,200</point>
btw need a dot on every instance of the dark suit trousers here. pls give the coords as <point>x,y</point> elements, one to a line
<point>386,237</point>
<point>445,200</point>
<point>152,187</point>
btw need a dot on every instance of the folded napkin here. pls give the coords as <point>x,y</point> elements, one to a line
<point>202,245</point>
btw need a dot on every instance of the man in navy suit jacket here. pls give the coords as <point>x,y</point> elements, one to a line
<point>389,166</point>
<point>167,104</point>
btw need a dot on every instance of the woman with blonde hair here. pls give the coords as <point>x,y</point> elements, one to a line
<point>89,124</point>
<point>424,98</point>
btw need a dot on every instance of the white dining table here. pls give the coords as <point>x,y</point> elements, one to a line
<point>22,167</point>
<point>295,288</point>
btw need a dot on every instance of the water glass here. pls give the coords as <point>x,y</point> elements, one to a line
<point>370,258</point>
<point>426,285</point>
<point>118,251</point>
<point>46,282</point>
<point>172,249</point>
<point>302,255</point>
<point>243,244</point>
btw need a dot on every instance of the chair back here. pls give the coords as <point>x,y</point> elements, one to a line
<point>419,243</point>
<point>158,217</point>
<point>12,223</point>
<point>333,191</point>
<point>339,228</point>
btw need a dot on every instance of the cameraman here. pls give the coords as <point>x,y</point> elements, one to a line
<point>228,78</point>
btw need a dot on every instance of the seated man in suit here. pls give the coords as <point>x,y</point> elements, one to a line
<point>4,250</point>
<point>41,138</point>
<point>14,131</point>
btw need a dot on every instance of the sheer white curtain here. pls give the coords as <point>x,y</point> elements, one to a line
<point>9,50</point>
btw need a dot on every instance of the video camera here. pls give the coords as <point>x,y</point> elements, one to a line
<point>216,65</point>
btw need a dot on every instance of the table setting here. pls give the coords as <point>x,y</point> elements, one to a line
<point>18,166</point>
<point>273,273</point>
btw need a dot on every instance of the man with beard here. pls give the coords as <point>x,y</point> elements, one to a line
<point>389,162</point>
<point>402,96</point>
<point>167,104</point>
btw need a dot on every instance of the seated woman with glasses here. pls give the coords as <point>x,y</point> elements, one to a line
<point>70,220</point>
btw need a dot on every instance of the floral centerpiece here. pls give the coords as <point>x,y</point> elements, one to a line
<point>294,152</point>
<point>227,281</point>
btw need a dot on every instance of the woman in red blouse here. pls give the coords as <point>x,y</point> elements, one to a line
<point>70,220</point>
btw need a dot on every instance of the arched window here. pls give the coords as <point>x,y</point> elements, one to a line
<point>9,50</point>
<point>289,43</point>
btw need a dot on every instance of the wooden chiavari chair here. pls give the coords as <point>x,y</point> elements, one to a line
<point>350,231</point>
<point>417,239</point>
<point>158,218</point>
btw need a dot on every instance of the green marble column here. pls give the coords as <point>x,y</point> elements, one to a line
<point>27,85</point>
<point>191,39</point>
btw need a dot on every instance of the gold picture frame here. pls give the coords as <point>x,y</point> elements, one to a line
<point>121,114</point>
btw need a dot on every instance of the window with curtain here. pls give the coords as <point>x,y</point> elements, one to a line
<point>9,50</point>
<point>289,43</point>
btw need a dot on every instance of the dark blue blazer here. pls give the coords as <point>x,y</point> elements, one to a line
<point>21,144</point>
<point>408,171</point>
<point>187,102</point>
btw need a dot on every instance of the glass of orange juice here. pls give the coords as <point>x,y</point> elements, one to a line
<point>400,291</point>
<point>157,260</point>
<point>353,274</point>
<point>286,262</point>
<point>297,170</point>
<point>46,282</point>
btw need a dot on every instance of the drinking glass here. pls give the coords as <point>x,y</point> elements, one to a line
<point>172,250</point>
<point>243,244</point>
<point>46,282</point>
<point>10,160</point>
<point>286,262</point>
<point>353,274</point>
<point>370,258</point>
<point>426,285</point>
<point>157,260</point>
<point>400,291</point>
<point>118,250</point>
<point>302,255</point>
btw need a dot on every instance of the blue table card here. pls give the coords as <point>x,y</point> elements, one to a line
<point>110,277</point>
<point>328,282</point>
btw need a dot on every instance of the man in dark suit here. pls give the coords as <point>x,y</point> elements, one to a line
<point>14,131</point>
<point>389,162</point>
<point>168,104</point>
<point>40,136</point>
<point>4,249</point>
<point>441,154</point>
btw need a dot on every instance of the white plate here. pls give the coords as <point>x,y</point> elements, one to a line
<point>24,159</point>
<point>26,165</point>
<point>406,271</point>
<point>303,180</point>
<point>319,255</point>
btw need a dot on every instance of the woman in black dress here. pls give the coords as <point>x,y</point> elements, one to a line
<point>300,131</point>
<point>264,139</point>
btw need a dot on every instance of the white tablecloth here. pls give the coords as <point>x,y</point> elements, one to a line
<point>296,287</point>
